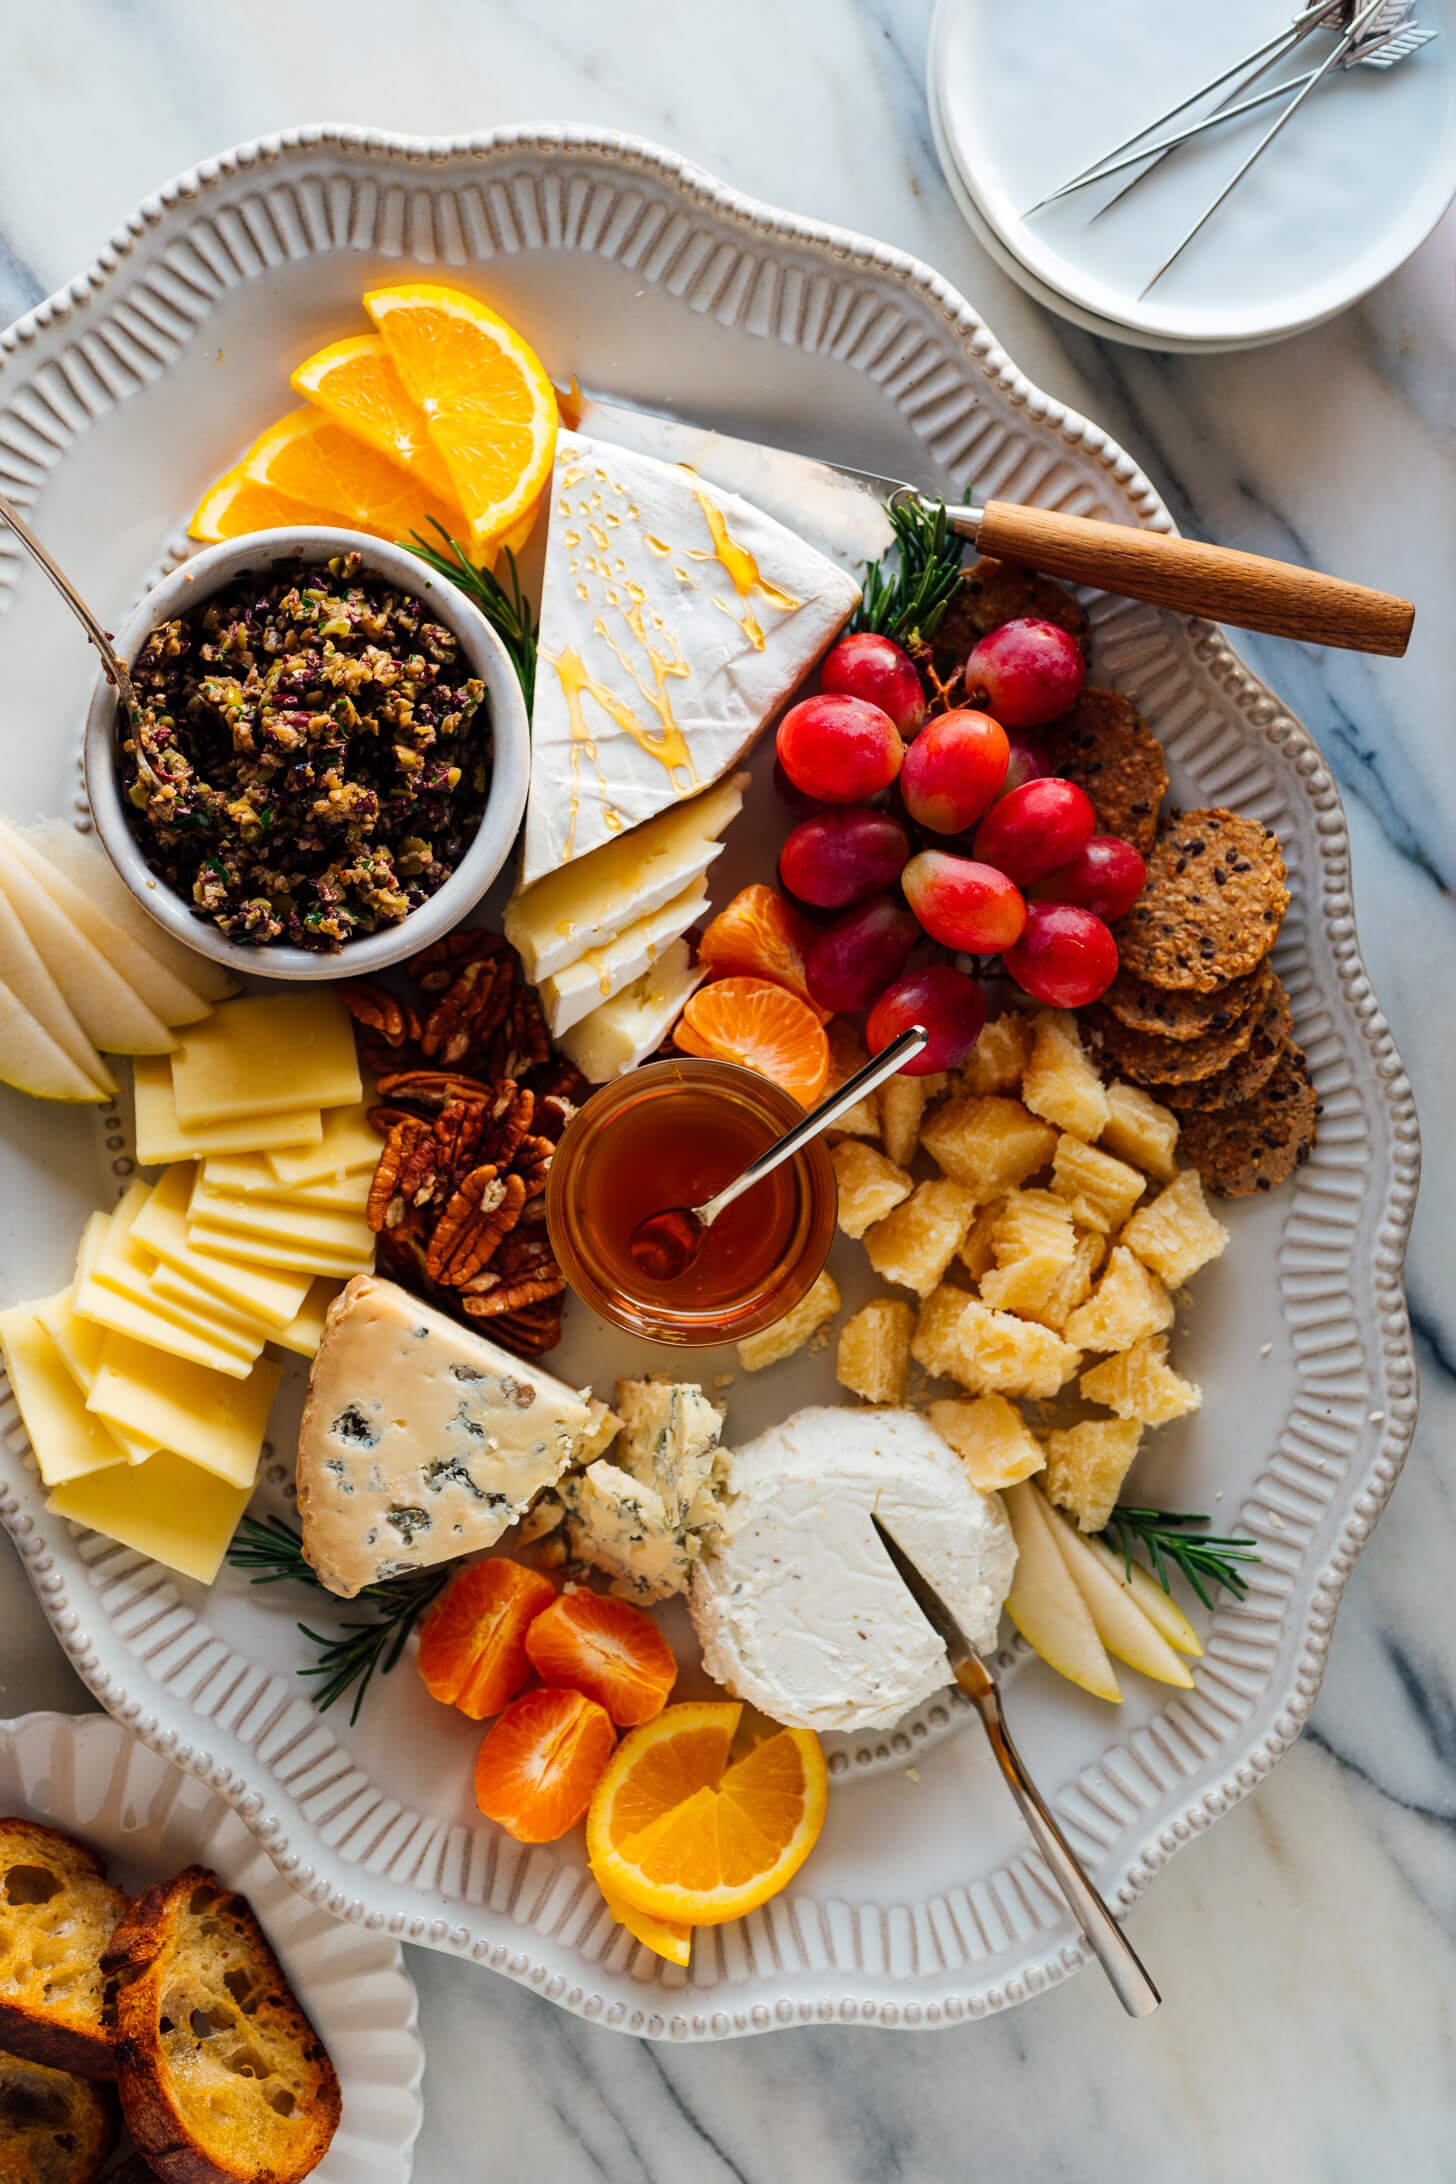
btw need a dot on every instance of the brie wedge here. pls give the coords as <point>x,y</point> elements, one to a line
<point>589,902</point>
<point>675,620</point>
<point>573,993</point>
<point>622,1033</point>
<point>798,1608</point>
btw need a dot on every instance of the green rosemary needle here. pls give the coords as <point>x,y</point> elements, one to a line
<point>907,592</point>
<point>272,1554</point>
<point>504,605</point>
<point>1204,1558</point>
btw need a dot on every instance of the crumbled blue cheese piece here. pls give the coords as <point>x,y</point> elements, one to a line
<point>620,1526</point>
<point>421,1440</point>
<point>670,1440</point>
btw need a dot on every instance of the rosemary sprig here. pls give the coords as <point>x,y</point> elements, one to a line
<point>1207,1556</point>
<point>907,592</point>
<point>273,1554</point>
<point>504,605</point>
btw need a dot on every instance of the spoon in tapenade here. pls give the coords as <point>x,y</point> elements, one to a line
<point>112,663</point>
<point>664,1245</point>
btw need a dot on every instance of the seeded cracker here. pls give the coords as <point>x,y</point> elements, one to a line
<point>993,592</point>
<point>1185,1015</point>
<point>1248,1072</point>
<point>1148,1058</point>
<point>1108,749</point>
<point>1212,905</point>
<point>1259,1143</point>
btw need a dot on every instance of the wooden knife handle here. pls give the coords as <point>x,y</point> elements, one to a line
<point>1192,578</point>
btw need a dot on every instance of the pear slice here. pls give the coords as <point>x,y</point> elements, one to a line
<point>1045,1603</point>
<point>110,1011</point>
<point>31,1060</point>
<point>166,995</point>
<point>1121,1624</point>
<point>23,971</point>
<point>81,858</point>
<point>1160,1608</point>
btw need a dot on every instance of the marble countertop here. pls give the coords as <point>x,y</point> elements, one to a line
<point>1307,1946</point>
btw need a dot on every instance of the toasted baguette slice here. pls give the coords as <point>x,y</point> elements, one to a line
<point>57,1910</point>
<point>55,2128</point>
<point>222,2077</point>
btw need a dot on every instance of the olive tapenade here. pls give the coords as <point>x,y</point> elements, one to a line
<point>318,756</point>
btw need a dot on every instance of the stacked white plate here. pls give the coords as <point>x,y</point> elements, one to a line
<point>1024,97</point>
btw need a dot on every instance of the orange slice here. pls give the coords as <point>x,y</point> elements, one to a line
<point>315,461</point>
<point>489,406</point>
<point>669,1938</point>
<point>355,383</point>
<point>752,1021</point>
<point>765,937</point>
<point>676,1832</point>
<point>237,504</point>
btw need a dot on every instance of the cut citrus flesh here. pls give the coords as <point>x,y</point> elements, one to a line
<point>489,407</point>
<point>675,1831</point>
<point>607,1649</point>
<point>539,1762</point>
<point>237,504</point>
<point>473,1641</point>
<point>669,1938</point>
<point>762,936</point>
<point>356,384</point>
<point>337,477</point>
<point>752,1021</point>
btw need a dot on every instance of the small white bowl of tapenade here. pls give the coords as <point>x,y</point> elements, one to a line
<point>329,761</point>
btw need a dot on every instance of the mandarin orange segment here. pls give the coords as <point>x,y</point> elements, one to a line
<point>489,407</point>
<point>751,1021</point>
<point>315,461</point>
<point>728,1844</point>
<point>607,1649</point>
<point>762,936</point>
<point>473,1643</point>
<point>539,1763</point>
<point>356,384</point>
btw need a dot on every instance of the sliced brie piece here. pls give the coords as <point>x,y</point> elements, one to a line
<point>675,620</point>
<point>798,1608</point>
<point>593,978</point>
<point>634,1023</point>
<point>421,1440</point>
<point>593,899</point>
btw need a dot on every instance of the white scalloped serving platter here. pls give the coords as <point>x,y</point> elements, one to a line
<point>922,1905</point>
<point>91,1778</point>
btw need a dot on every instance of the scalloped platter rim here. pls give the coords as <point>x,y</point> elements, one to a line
<point>923,1905</point>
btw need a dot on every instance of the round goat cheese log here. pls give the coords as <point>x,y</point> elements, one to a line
<point>797,1607</point>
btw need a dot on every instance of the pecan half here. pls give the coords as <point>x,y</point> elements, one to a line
<point>435,966</point>
<point>385,1208</point>
<point>510,1295</point>
<point>433,1088</point>
<point>482,1212</point>
<point>377,1009</point>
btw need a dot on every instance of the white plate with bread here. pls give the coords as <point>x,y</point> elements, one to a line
<point>164,1895</point>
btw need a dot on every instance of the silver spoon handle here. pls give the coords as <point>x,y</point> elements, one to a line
<point>900,1050</point>
<point>1125,1970</point>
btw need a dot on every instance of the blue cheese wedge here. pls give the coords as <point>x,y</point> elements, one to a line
<point>798,1608</point>
<point>422,1441</point>
<point>675,621</point>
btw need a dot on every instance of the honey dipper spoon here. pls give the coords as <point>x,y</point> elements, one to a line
<point>664,1245</point>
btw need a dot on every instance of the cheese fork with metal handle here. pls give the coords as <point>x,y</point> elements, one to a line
<point>842,511</point>
<point>1111,1947</point>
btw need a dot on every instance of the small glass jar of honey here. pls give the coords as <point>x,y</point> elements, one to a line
<point>672,1134</point>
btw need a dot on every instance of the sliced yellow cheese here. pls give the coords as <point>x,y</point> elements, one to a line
<point>264,1055</point>
<point>299,1254</point>
<point>211,1420</point>
<point>200,1328</point>
<point>166,1508</point>
<point>304,1333</point>
<point>588,902</point>
<point>273,1220</point>
<point>349,1141</point>
<point>80,1343</point>
<point>237,1176</point>
<point>268,1296</point>
<point>161,1135</point>
<point>68,1441</point>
